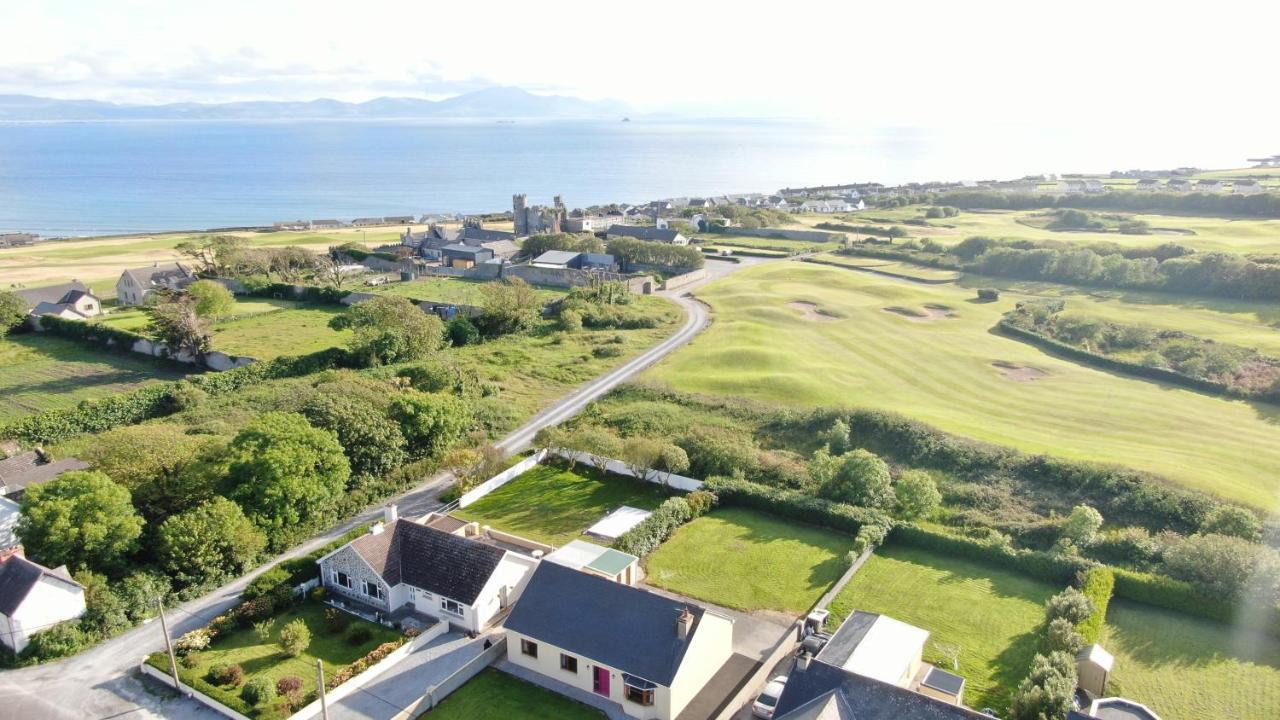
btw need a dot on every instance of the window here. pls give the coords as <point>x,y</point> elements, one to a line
<point>343,579</point>
<point>373,590</point>
<point>529,647</point>
<point>452,607</point>
<point>637,689</point>
<point>568,663</point>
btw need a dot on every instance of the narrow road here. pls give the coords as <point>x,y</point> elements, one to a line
<point>99,682</point>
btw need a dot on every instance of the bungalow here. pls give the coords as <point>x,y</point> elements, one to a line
<point>1147,185</point>
<point>827,207</point>
<point>73,300</point>
<point>569,260</point>
<point>649,654</point>
<point>23,470</point>
<point>1246,187</point>
<point>325,224</point>
<point>1178,185</point>
<point>890,651</point>
<point>650,234</point>
<point>398,220</point>
<point>1209,186</point>
<point>368,222</point>
<point>136,285</point>
<point>458,255</point>
<point>817,689</point>
<point>34,598</point>
<point>403,566</point>
<point>291,225</point>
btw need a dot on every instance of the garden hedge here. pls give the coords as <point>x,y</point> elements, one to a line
<point>1097,584</point>
<point>95,333</point>
<point>655,529</point>
<point>1054,569</point>
<point>868,525</point>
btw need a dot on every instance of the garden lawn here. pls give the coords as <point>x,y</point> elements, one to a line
<point>941,370</point>
<point>135,319</point>
<point>41,372</point>
<point>554,505</point>
<point>747,560</point>
<point>989,614</point>
<point>462,291</point>
<point>242,647</point>
<point>495,695</point>
<point>282,332</point>
<point>1186,668</point>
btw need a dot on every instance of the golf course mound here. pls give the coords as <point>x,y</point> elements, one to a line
<point>929,313</point>
<point>1018,373</point>
<point>810,311</point>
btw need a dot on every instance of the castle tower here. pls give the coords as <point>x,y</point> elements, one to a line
<point>518,214</point>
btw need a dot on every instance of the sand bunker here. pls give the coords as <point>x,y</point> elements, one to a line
<point>1018,373</point>
<point>812,312</point>
<point>929,313</point>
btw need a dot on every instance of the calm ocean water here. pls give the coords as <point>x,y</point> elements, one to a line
<point>98,178</point>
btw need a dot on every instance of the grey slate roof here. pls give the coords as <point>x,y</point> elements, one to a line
<point>166,275</point>
<point>52,294</point>
<point>18,575</point>
<point>641,232</point>
<point>557,257</point>
<point>626,628</point>
<point>435,561</point>
<point>465,250</point>
<point>858,697</point>
<point>21,471</point>
<point>484,235</point>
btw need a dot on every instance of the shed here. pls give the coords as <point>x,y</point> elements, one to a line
<point>464,256</point>
<point>1093,665</point>
<point>561,259</point>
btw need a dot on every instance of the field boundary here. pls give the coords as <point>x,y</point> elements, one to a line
<point>886,273</point>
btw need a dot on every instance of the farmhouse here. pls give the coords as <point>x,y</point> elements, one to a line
<point>817,690</point>
<point>404,568</point>
<point>650,234</point>
<point>890,651</point>
<point>73,300</point>
<point>1246,187</point>
<point>32,468</point>
<point>135,286</point>
<point>1209,186</point>
<point>649,654</point>
<point>34,598</point>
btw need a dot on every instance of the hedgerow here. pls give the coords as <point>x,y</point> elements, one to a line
<point>868,525</point>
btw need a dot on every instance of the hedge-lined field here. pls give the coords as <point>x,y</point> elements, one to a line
<point>283,332</point>
<point>39,373</point>
<point>942,370</point>
<point>448,290</point>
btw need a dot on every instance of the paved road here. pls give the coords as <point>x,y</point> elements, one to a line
<point>98,683</point>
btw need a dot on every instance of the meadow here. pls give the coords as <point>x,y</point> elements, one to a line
<point>39,373</point>
<point>805,335</point>
<point>462,291</point>
<point>267,335</point>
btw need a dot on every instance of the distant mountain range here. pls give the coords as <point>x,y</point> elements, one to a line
<point>490,103</point>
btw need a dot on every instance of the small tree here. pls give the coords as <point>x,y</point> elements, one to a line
<point>509,306</point>
<point>262,630</point>
<point>861,479</point>
<point>208,541</point>
<point>672,461</point>
<point>390,329</point>
<point>258,691</point>
<point>1082,525</point>
<point>917,494</point>
<point>82,519</point>
<point>1070,604</point>
<point>1047,692</point>
<point>836,437</point>
<point>330,270</point>
<point>212,299</point>
<point>560,439</point>
<point>599,441</point>
<point>642,455</point>
<point>432,422</point>
<point>1233,521</point>
<point>1061,636</point>
<point>13,310</point>
<point>295,638</point>
<point>173,320</point>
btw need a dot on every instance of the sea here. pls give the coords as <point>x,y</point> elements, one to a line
<point>100,178</point>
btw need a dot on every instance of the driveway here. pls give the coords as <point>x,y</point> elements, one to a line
<point>400,687</point>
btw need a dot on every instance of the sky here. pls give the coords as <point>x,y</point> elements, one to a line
<point>1184,65</point>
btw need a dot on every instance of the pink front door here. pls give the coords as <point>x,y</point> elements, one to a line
<point>601,685</point>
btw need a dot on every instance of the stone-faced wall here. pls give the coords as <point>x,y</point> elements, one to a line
<point>348,561</point>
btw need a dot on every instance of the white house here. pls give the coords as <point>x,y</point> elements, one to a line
<point>650,234</point>
<point>649,654</point>
<point>10,514</point>
<point>136,285</point>
<point>1209,186</point>
<point>73,300</point>
<point>826,207</point>
<point>890,651</point>
<point>1147,185</point>
<point>404,567</point>
<point>1246,187</point>
<point>34,598</point>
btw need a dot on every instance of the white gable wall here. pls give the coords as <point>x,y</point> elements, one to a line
<point>508,579</point>
<point>49,603</point>
<point>711,648</point>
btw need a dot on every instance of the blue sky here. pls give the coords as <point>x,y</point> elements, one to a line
<point>1168,65</point>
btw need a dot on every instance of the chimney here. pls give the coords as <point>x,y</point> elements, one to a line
<point>802,661</point>
<point>683,624</point>
<point>390,514</point>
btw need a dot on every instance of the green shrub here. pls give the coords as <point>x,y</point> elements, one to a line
<point>868,525</point>
<point>359,636</point>
<point>700,502</point>
<point>266,583</point>
<point>655,529</point>
<point>1056,569</point>
<point>295,638</point>
<point>258,691</point>
<point>1061,636</point>
<point>1097,584</point>
<point>61,640</point>
<point>222,674</point>
<point>336,621</point>
<point>1070,604</point>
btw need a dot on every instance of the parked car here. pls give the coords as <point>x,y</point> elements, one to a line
<point>767,700</point>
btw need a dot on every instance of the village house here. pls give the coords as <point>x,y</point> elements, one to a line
<point>890,651</point>
<point>136,285</point>
<point>1209,186</point>
<point>17,239</point>
<point>826,207</point>
<point>1147,185</point>
<point>462,256</point>
<point>402,568</point>
<point>649,654</point>
<point>73,300</point>
<point>1246,187</point>
<point>818,690</point>
<point>1178,185</point>
<point>430,243</point>
<point>650,234</point>
<point>327,224</point>
<point>34,467</point>
<point>368,222</point>
<point>35,598</point>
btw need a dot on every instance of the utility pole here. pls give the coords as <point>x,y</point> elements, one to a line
<point>168,644</point>
<point>324,704</point>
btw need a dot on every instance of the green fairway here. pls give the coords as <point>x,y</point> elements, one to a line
<point>1186,668</point>
<point>495,695</point>
<point>989,615</point>
<point>746,560</point>
<point>449,290</point>
<point>918,272</point>
<point>554,505</point>
<point>282,332</point>
<point>805,335</point>
<point>39,372</point>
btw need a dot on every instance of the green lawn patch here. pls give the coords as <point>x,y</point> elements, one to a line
<point>1185,668</point>
<point>554,505</point>
<point>41,372</point>
<point>258,659</point>
<point>268,335</point>
<point>746,560</point>
<point>462,291</point>
<point>989,614</point>
<point>495,695</point>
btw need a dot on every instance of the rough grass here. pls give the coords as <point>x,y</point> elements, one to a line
<point>133,318</point>
<point>1186,668</point>
<point>282,332</point>
<point>899,268</point>
<point>554,505</point>
<point>941,372</point>
<point>242,647</point>
<point>40,372</point>
<point>764,243</point>
<point>991,615</point>
<point>449,290</point>
<point>495,695</point>
<point>749,561</point>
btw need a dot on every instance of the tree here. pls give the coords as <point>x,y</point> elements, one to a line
<point>473,465</point>
<point>373,443</point>
<point>1061,636</point>
<point>560,439</point>
<point>862,478</point>
<point>1082,525</point>
<point>1234,521</point>
<point>462,331</point>
<point>173,320</point>
<point>331,271</point>
<point>836,437</point>
<point>13,310</point>
<point>432,422</point>
<point>390,329</point>
<point>1223,566</point>
<point>719,451</point>
<point>212,299</point>
<point>209,541</point>
<point>508,306</point>
<point>284,471</point>
<point>1070,604</point>
<point>83,519</point>
<point>165,469</point>
<point>672,461</point>
<point>295,638</point>
<point>213,254</point>
<point>599,441</point>
<point>1046,694</point>
<point>642,455</point>
<point>823,467</point>
<point>917,494</point>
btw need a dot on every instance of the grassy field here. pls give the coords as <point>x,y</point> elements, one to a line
<point>554,505</point>
<point>1186,668</point>
<point>39,373</point>
<point>258,659</point>
<point>282,332</point>
<point>449,290</point>
<point>989,614</point>
<point>133,318</point>
<point>767,344</point>
<point>898,268</point>
<point>749,561</point>
<point>495,695</point>
<point>764,243</point>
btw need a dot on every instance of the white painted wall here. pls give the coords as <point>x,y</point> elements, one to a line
<point>49,603</point>
<point>513,574</point>
<point>501,478</point>
<point>710,649</point>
